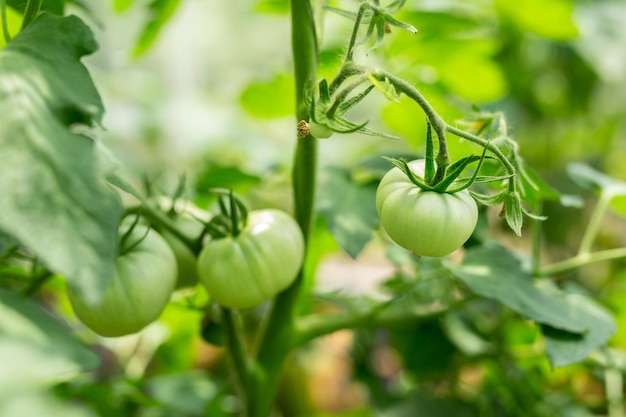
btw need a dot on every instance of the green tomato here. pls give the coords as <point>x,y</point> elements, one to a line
<point>264,259</point>
<point>425,222</point>
<point>320,131</point>
<point>185,258</point>
<point>140,288</point>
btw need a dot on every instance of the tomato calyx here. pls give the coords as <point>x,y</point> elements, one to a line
<point>328,105</point>
<point>125,245</point>
<point>233,215</point>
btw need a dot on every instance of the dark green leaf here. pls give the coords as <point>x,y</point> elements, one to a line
<point>52,6</point>
<point>563,347</point>
<point>36,349</point>
<point>161,11</point>
<point>349,209</point>
<point>55,199</point>
<point>7,243</point>
<point>493,272</point>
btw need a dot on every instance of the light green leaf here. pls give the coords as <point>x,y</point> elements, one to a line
<point>493,272</point>
<point>55,199</point>
<point>161,11</point>
<point>270,99</point>
<point>589,178</point>
<point>36,350</point>
<point>42,404</point>
<point>349,209</point>
<point>551,19</point>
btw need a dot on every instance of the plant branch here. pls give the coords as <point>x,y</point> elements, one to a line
<point>594,223</point>
<point>158,217</point>
<point>314,326</point>
<point>581,260</point>
<point>276,343</point>
<point>239,354</point>
<point>30,12</point>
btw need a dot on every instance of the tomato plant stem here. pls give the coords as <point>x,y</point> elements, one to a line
<point>582,259</point>
<point>239,354</point>
<point>594,223</point>
<point>31,11</point>
<point>277,341</point>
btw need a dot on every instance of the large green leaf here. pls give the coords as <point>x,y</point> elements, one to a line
<point>564,348</point>
<point>349,209</point>
<point>493,272</point>
<point>54,197</point>
<point>35,349</point>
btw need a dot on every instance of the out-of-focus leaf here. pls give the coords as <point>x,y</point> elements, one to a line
<point>41,404</point>
<point>348,208</point>
<point>7,243</point>
<point>551,19</point>
<point>463,336</point>
<point>183,393</point>
<point>493,272</point>
<point>423,404</point>
<point>564,347</point>
<point>161,11</point>
<point>121,6</point>
<point>270,99</point>
<point>36,350</point>
<point>14,23</point>
<point>589,178</point>
<point>225,176</point>
<point>535,189</point>
<point>53,6</point>
<point>272,6</point>
<point>55,199</point>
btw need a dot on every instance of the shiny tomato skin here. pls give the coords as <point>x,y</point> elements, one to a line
<point>427,223</point>
<point>140,288</point>
<point>264,259</point>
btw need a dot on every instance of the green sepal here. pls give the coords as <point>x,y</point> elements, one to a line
<point>341,12</point>
<point>453,173</point>
<point>387,89</point>
<point>488,200</point>
<point>403,166</point>
<point>429,169</point>
<point>348,104</point>
<point>513,212</point>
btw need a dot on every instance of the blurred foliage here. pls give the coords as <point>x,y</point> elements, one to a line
<point>557,68</point>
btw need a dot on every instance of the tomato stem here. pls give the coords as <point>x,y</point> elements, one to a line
<point>277,340</point>
<point>30,12</point>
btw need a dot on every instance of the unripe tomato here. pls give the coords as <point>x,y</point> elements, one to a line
<point>140,288</point>
<point>427,223</point>
<point>319,131</point>
<point>264,259</point>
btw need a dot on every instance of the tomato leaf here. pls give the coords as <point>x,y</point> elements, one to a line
<point>348,208</point>
<point>55,199</point>
<point>161,11</point>
<point>493,272</point>
<point>41,351</point>
<point>591,179</point>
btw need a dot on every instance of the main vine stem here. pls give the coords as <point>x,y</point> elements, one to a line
<point>279,336</point>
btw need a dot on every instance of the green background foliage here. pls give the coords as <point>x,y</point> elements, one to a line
<point>204,90</point>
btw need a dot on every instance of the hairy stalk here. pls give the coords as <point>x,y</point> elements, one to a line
<point>355,32</point>
<point>31,12</point>
<point>239,354</point>
<point>277,341</point>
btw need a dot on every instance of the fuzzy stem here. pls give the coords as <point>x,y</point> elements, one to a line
<point>277,341</point>
<point>31,11</point>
